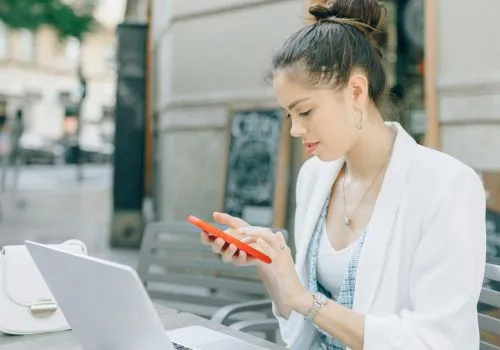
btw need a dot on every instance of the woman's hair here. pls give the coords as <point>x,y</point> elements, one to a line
<point>344,35</point>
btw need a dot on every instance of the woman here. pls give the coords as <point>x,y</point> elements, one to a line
<point>389,235</point>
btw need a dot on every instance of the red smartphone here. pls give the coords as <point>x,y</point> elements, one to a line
<point>205,226</point>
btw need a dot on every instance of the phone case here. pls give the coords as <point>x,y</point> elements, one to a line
<point>229,239</point>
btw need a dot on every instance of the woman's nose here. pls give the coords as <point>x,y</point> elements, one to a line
<point>297,129</point>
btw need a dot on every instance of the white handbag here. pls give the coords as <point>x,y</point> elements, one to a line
<point>26,303</point>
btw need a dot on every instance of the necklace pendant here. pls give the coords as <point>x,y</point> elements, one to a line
<point>347,221</point>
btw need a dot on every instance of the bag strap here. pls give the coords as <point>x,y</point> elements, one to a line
<point>4,272</point>
<point>78,243</point>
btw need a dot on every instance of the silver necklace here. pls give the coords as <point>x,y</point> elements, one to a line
<point>347,219</point>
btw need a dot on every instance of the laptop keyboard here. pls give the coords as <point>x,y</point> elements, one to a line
<point>180,347</point>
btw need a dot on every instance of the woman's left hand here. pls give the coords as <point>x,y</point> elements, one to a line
<point>274,245</point>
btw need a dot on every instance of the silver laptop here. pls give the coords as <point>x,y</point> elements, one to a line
<point>108,308</point>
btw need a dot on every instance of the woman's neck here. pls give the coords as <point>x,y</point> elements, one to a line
<point>372,151</point>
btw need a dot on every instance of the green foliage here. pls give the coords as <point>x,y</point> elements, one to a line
<point>32,14</point>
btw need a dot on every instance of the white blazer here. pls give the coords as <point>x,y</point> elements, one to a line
<point>422,265</point>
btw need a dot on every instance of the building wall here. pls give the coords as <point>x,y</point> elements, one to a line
<point>469,82</point>
<point>52,70</point>
<point>211,57</point>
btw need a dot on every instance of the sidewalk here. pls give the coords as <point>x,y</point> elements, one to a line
<point>51,206</point>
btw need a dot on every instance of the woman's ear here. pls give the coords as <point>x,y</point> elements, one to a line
<point>358,89</point>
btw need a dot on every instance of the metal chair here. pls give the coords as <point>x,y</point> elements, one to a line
<point>488,324</point>
<point>179,271</point>
<point>267,325</point>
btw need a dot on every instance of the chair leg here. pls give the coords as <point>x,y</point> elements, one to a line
<point>271,336</point>
<point>268,327</point>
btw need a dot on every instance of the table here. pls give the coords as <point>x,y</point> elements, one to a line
<point>171,319</point>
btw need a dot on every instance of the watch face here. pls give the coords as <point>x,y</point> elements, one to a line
<point>321,298</point>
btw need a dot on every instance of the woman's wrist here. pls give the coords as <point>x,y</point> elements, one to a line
<point>265,269</point>
<point>302,302</point>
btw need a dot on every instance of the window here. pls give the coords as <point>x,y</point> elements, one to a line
<point>27,45</point>
<point>109,54</point>
<point>72,51</point>
<point>4,41</point>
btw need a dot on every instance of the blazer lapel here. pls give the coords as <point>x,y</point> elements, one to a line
<point>380,228</point>
<point>326,177</point>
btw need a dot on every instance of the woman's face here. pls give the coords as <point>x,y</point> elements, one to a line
<point>322,117</point>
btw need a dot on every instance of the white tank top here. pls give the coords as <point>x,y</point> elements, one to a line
<point>333,264</point>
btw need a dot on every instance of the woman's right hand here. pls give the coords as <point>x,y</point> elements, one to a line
<point>229,252</point>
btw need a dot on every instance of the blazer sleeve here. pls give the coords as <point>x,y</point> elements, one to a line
<point>288,325</point>
<point>446,276</point>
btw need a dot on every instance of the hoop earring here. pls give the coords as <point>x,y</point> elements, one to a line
<point>359,123</point>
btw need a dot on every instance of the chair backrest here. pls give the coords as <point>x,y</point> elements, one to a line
<point>175,267</point>
<point>488,310</point>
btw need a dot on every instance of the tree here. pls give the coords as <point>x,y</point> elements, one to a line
<point>33,14</point>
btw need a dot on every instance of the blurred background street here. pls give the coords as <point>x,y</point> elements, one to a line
<point>52,206</point>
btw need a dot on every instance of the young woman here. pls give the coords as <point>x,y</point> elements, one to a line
<point>389,235</point>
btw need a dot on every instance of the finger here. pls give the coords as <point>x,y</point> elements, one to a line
<point>217,245</point>
<point>228,220</point>
<point>265,247</point>
<point>228,254</point>
<point>242,258</point>
<point>263,233</point>
<point>249,240</point>
<point>252,228</point>
<point>281,239</point>
<point>256,231</point>
<point>204,238</point>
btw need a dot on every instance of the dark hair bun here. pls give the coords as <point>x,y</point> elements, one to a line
<point>366,15</point>
<point>320,11</point>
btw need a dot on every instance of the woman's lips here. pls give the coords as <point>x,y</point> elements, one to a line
<point>311,146</point>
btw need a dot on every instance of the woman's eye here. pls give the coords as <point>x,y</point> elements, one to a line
<point>288,116</point>
<point>306,113</point>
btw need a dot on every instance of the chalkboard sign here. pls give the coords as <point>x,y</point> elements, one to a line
<point>255,156</point>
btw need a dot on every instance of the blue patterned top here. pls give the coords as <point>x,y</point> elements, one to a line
<point>346,294</point>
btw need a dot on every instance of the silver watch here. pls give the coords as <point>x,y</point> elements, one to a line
<point>319,301</point>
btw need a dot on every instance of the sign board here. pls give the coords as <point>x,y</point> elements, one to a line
<point>257,155</point>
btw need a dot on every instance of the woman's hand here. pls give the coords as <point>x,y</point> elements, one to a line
<point>229,252</point>
<point>291,290</point>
